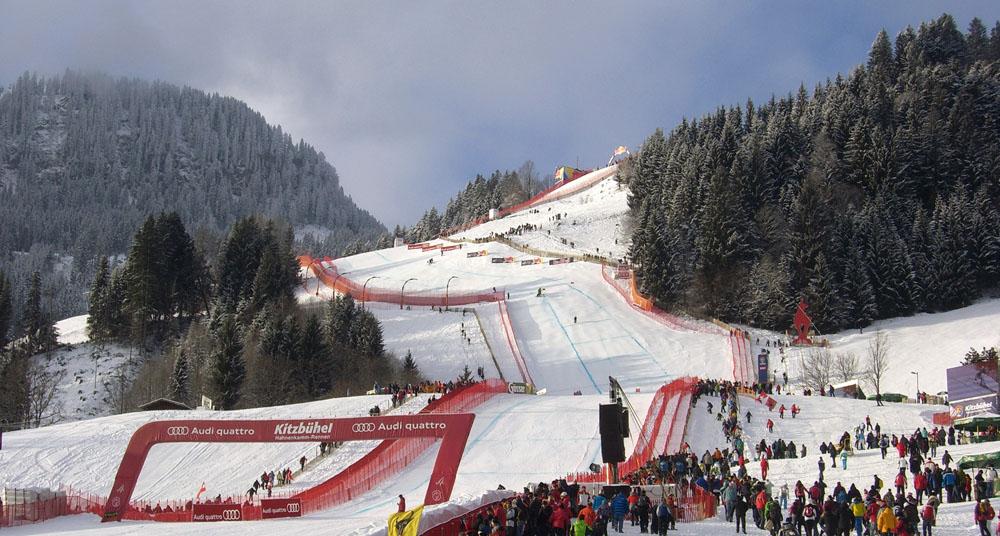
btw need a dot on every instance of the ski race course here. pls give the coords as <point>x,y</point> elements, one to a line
<point>528,308</point>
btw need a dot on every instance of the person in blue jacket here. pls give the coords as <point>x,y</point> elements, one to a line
<point>619,506</point>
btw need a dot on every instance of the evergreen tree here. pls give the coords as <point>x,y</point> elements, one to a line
<point>465,376</point>
<point>227,363</point>
<point>238,261</point>
<point>340,317</point>
<point>41,334</point>
<point>410,365</point>
<point>314,367</point>
<point>6,310</point>
<point>180,379</point>
<point>366,334</point>
<point>99,321</point>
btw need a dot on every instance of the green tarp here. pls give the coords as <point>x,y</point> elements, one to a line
<point>991,459</point>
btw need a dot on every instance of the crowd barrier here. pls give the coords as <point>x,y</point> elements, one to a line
<point>326,272</point>
<point>26,507</point>
<point>447,520</point>
<point>392,456</point>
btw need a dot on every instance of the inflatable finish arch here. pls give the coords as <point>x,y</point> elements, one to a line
<point>453,429</point>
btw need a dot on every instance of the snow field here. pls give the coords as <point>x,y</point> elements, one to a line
<point>593,220</point>
<point>85,454</point>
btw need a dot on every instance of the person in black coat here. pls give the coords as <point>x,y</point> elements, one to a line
<point>740,507</point>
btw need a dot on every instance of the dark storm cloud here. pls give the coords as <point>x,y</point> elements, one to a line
<point>410,99</point>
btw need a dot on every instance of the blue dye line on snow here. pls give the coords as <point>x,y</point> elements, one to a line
<point>623,328</point>
<point>573,346</point>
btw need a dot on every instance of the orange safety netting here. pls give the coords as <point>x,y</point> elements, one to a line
<point>631,294</point>
<point>327,273</point>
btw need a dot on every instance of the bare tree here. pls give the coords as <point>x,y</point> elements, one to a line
<point>878,362</point>
<point>43,385</point>
<point>529,175</point>
<point>815,368</point>
<point>846,366</point>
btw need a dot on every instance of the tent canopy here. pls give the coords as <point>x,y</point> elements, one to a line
<point>978,421</point>
<point>990,459</point>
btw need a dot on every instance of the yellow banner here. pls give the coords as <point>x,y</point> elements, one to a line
<point>405,523</point>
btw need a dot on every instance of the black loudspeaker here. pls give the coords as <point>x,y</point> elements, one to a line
<point>624,424</point>
<point>612,449</point>
<point>610,420</point>
<point>612,442</point>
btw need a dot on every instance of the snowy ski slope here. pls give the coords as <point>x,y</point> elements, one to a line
<point>515,438</point>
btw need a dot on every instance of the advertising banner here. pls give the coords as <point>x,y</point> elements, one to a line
<point>972,381</point>
<point>762,368</point>
<point>528,262</point>
<point>974,406</point>
<point>518,388</point>
<point>452,429</point>
<point>498,260</point>
<point>275,508</point>
<point>216,512</point>
<point>451,248</point>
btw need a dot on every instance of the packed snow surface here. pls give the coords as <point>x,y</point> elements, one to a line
<point>592,220</point>
<point>573,330</point>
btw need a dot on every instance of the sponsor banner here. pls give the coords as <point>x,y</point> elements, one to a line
<point>431,247</point>
<point>453,429</point>
<point>275,508</point>
<point>528,262</point>
<point>451,248</point>
<point>416,246</point>
<point>518,388</point>
<point>472,254</point>
<point>498,260</point>
<point>561,261</point>
<point>762,368</point>
<point>972,381</point>
<point>216,512</point>
<point>973,407</point>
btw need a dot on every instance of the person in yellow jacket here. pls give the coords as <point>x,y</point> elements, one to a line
<point>886,521</point>
<point>858,510</point>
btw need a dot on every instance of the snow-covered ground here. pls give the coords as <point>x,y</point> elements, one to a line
<point>81,373</point>
<point>573,336</point>
<point>85,454</point>
<point>73,330</point>
<point>592,221</point>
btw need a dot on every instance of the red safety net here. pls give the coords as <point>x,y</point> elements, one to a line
<point>327,273</point>
<point>508,331</point>
<point>454,525</point>
<point>662,432</point>
<point>739,346</point>
<point>392,456</point>
<point>24,507</point>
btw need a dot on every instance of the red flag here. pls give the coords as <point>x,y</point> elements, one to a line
<point>200,491</point>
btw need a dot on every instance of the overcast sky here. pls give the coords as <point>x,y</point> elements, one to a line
<point>409,100</point>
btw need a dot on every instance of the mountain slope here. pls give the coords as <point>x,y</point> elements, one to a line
<point>92,156</point>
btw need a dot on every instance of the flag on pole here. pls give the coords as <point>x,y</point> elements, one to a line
<point>621,150</point>
<point>405,523</point>
<point>200,491</point>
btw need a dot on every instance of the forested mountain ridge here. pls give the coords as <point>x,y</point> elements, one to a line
<point>84,158</point>
<point>873,196</point>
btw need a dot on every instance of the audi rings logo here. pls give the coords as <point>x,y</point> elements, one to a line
<point>178,430</point>
<point>230,515</point>
<point>363,427</point>
<point>293,508</point>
